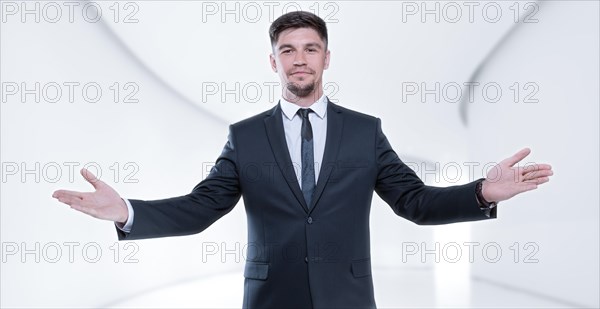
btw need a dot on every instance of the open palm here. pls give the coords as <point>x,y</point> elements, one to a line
<point>506,180</point>
<point>104,203</point>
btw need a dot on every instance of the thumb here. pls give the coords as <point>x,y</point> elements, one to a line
<point>91,178</point>
<point>514,159</point>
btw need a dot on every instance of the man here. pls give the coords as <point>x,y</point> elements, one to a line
<point>319,211</point>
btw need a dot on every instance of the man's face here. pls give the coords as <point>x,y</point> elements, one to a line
<point>299,57</point>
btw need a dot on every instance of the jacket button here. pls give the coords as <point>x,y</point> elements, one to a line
<point>309,220</point>
<point>306,259</point>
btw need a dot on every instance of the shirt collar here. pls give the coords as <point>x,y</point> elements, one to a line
<point>290,109</point>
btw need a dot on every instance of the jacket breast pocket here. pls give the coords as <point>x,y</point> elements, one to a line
<point>361,268</point>
<point>254,270</point>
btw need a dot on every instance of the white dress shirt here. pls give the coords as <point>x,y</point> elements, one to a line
<point>292,125</point>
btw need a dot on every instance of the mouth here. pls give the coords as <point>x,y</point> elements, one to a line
<point>300,73</point>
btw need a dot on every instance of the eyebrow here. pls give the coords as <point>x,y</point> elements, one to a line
<point>317,45</point>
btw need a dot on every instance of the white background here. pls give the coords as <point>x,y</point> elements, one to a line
<point>175,53</point>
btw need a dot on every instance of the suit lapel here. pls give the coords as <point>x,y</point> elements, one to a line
<point>335,124</point>
<point>276,135</point>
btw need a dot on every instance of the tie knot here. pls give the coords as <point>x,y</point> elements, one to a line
<point>303,112</point>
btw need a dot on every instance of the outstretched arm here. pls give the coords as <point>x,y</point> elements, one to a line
<point>211,199</point>
<point>409,197</point>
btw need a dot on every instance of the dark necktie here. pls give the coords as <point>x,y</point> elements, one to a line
<point>308,161</point>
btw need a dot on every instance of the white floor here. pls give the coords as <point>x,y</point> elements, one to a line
<point>394,288</point>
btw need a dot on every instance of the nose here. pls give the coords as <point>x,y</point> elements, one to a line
<point>299,59</point>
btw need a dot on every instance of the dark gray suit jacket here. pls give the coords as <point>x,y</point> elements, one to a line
<point>306,256</point>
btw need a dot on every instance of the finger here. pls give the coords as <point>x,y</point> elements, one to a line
<point>543,180</point>
<point>91,178</point>
<point>63,193</point>
<point>527,186</point>
<point>537,174</point>
<point>543,166</point>
<point>537,181</point>
<point>69,200</point>
<point>514,159</point>
<point>534,167</point>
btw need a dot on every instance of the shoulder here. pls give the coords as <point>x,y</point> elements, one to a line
<point>255,120</point>
<point>351,112</point>
<point>354,116</point>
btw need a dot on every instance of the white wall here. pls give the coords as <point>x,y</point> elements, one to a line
<point>177,129</point>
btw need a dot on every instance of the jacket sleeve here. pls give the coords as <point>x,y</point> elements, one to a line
<point>399,186</point>
<point>211,199</point>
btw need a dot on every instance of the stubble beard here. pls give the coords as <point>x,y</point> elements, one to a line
<point>301,91</point>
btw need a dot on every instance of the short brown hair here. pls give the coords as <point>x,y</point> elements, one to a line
<point>298,19</point>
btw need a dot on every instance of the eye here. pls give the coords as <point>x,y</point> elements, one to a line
<point>286,51</point>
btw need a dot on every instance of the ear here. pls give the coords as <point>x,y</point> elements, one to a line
<point>326,60</point>
<point>273,63</point>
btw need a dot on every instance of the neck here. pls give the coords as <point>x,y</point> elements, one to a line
<point>304,101</point>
